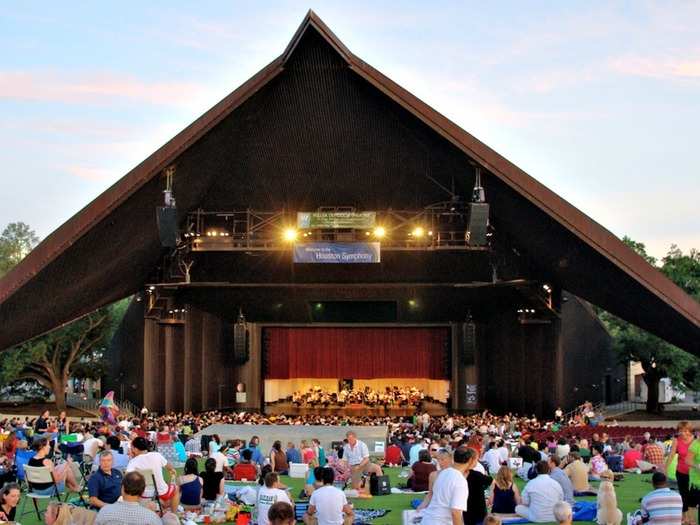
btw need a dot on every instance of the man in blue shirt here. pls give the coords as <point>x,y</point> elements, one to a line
<point>257,456</point>
<point>104,486</point>
<point>293,453</point>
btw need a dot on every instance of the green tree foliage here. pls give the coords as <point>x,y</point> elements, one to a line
<point>74,350</point>
<point>658,358</point>
<point>16,241</point>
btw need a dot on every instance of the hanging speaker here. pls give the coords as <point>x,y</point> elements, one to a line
<point>167,226</point>
<point>241,351</point>
<point>478,223</point>
<point>468,343</point>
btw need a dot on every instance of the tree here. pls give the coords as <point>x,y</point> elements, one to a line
<point>658,358</point>
<point>16,241</point>
<point>77,348</point>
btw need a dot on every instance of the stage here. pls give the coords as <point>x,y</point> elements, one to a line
<point>289,409</point>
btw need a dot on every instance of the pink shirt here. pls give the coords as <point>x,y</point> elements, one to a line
<point>682,450</point>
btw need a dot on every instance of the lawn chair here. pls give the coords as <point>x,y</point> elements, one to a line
<point>151,484</point>
<point>34,475</point>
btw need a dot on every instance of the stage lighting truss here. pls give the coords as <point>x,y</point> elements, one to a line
<point>441,226</point>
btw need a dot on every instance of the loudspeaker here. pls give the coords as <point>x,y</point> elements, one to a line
<point>468,343</point>
<point>478,222</point>
<point>167,226</point>
<point>240,344</point>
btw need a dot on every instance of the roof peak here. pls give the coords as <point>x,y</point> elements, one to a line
<point>312,20</point>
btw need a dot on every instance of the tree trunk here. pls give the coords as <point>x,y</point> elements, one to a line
<point>59,391</point>
<point>652,379</point>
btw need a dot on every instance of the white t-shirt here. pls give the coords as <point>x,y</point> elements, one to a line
<point>124,424</point>
<point>266,498</point>
<point>153,461</point>
<point>329,502</point>
<point>220,459</point>
<point>91,447</point>
<point>450,491</point>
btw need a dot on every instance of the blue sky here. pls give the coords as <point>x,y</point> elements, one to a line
<point>598,101</point>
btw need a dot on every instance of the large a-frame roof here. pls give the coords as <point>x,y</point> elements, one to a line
<point>77,283</point>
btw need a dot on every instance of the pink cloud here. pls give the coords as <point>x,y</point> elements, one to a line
<point>658,67</point>
<point>91,174</point>
<point>97,88</point>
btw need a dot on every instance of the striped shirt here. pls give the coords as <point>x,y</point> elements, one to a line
<point>663,507</point>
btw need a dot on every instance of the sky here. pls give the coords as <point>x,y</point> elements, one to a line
<point>599,101</point>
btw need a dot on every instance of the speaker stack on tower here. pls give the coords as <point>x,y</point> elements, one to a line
<point>478,223</point>
<point>167,226</point>
<point>468,342</point>
<point>241,351</point>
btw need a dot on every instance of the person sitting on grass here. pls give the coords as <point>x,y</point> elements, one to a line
<point>281,513</point>
<point>245,470</point>
<point>313,481</point>
<point>328,504</point>
<point>504,494</point>
<point>577,471</point>
<point>420,472</point>
<point>190,485</point>
<point>539,496</point>
<point>213,481</point>
<point>563,513</point>
<point>268,495</point>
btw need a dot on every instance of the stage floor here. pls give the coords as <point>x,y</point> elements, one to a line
<point>288,409</point>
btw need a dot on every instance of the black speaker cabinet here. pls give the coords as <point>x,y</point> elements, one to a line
<point>478,222</point>
<point>468,343</point>
<point>241,351</point>
<point>167,226</point>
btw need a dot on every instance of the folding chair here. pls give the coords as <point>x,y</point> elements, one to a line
<point>35,475</point>
<point>151,484</point>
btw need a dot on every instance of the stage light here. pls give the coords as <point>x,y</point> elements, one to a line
<point>418,231</point>
<point>151,288</point>
<point>290,234</point>
<point>318,306</point>
<point>546,288</point>
<point>412,303</point>
<point>430,233</point>
<point>379,232</point>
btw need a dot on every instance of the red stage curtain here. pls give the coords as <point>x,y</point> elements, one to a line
<point>360,353</point>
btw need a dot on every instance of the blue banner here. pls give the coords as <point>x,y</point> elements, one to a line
<point>337,252</point>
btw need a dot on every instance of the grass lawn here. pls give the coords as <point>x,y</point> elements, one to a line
<point>629,492</point>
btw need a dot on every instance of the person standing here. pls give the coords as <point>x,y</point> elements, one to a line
<point>477,483</point>
<point>681,445</point>
<point>450,492</point>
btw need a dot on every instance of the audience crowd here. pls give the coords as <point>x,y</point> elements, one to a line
<point>453,459</point>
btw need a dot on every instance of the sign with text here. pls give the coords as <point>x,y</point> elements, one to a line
<point>337,252</point>
<point>336,220</point>
<point>471,394</point>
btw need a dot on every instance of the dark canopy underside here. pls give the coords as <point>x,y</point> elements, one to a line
<point>319,127</point>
